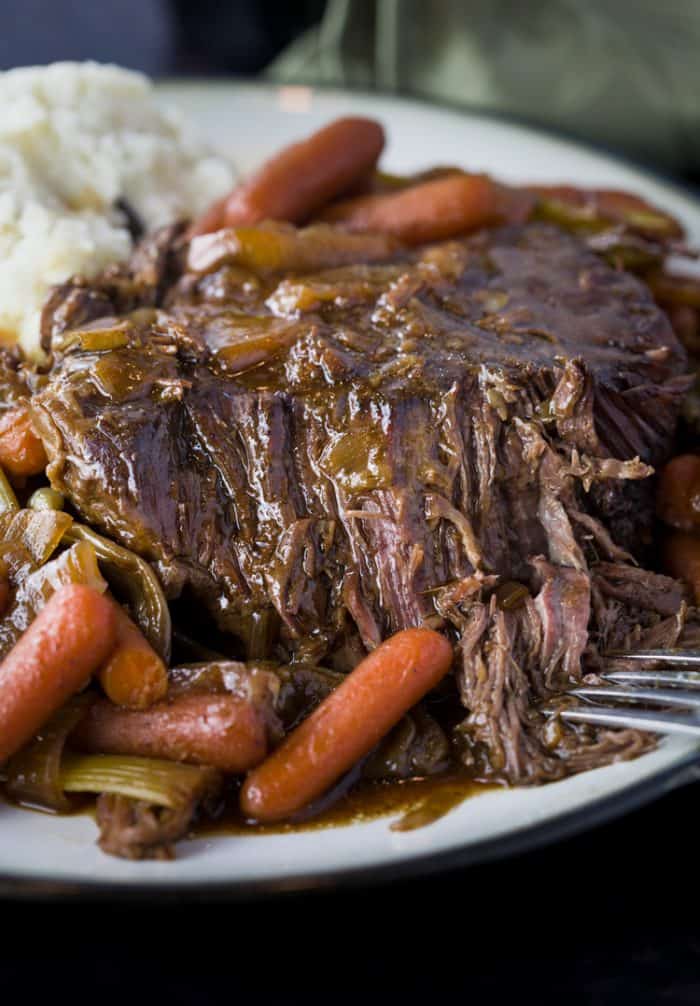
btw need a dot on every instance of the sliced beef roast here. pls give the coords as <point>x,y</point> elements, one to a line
<point>460,436</point>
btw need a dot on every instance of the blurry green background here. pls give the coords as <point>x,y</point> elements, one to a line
<point>624,74</point>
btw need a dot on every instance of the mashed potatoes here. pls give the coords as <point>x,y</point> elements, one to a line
<point>74,139</point>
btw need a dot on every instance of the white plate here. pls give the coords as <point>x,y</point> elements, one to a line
<point>40,853</point>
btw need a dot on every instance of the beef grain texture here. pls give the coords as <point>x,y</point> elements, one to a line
<point>328,458</point>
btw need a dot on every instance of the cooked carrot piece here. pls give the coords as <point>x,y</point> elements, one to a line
<point>21,451</point>
<point>134,676</point>
<point>671,288</point>
<point>302,178</point>
<point>347,724</point>
<point>226,731</point>
<point>68,640</point>
<point>685,322</point>
<point>432,211</point>
<point>681,558</point>
<point>678,494</point>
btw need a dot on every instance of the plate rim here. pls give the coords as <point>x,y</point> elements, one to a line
<point>527,838</point>
<point>657,174</point>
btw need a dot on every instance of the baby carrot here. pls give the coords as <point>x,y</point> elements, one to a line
<point>431,211</point>
<point>681,558</point>
<point>678,495</point>
<point>53,659</point>
<point>302,178</point>
<point>226,731</point>
<point>347,724</point>
<point>21,451</point>
<point>676,289</point>
<point>134,676</point>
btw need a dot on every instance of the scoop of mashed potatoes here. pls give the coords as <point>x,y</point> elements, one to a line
<point>77,140</point>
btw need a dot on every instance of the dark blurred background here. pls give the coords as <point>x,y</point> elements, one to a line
<point>159,37</point>
<point>623,74</point>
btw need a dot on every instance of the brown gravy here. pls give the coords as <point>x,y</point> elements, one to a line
<point>415,802</point>
<point>418,801</point>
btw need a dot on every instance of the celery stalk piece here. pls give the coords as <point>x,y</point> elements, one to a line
<point>155,781</point>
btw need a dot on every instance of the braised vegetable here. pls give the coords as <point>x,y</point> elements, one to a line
<point>244,346</point>
<point>78,564</point>
<point>21,451</point>
<point>28,536</point>
<point>302,178</point>
<point>163,783</point>
<point>52,660</point>
<point>279,247</point>
<point>431,211</point>
<point>685,322</point>
<point>227,731</point>
<point>669,288</point>
<point>34,773</point>
<point>8,499</point>
<point>598,208</point>
<point>347,724</point>
<point>131,575</point>
<point>36,586</point>
<point>28,539</point>
<point>257,681</point>
<point>678,493</point>
<point>679,295</point>
<point>101,335</point>
<point>681,559</point>
<point>46,498</point>
<point>144,805</point>
<point>134,676</point>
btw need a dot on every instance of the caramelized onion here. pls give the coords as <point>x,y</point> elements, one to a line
<point>279,247</point>
<point>8,499</point>
<point>34,534</point>
<point>34,773</point>
<point>130,574</point>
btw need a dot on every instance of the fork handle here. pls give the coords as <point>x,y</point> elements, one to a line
<point>686,724</point>
<point>679,658</point>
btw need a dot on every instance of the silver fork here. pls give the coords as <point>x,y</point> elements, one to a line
<point>673,688</point>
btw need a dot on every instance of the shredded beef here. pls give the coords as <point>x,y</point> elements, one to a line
<point>135,829</point>
<point>358,450</point>
<point>132,829</point>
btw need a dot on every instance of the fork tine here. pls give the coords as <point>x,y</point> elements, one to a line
<point>662,723</point>
<point>689,679</point>
<point>681,658</point>
<point>658,696</point>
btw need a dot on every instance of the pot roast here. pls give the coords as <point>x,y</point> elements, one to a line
<point>461,436</point>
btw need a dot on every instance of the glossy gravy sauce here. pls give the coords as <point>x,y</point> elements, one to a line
<point>415,803</point>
